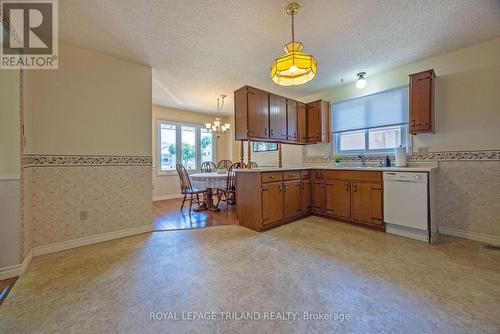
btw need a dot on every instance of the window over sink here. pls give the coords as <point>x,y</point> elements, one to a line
<point>375,123</point>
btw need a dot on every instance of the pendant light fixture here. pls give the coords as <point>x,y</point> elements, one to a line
<point>217,127</point>
<point>294,68</point>
<point>361,82</point>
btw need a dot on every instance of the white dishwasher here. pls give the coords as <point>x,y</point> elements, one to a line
<point>406,205</point>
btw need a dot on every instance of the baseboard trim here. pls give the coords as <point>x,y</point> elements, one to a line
<point>164,197</point>
<point>69,244</point>
<point>16,270</point>
<point>492,240</point>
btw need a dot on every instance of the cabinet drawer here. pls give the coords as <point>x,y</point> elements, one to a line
<point>271,177</point>
<point>291,175</point>
<point>305,174</point>
<point>354,175</point>
<point>318,174</point>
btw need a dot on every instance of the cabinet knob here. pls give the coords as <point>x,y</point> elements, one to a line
<point>355,188</point>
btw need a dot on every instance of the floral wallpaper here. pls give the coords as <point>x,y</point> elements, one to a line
<point>115,198</point>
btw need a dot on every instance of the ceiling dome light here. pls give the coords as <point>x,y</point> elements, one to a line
<point>294,68</point>
<point>361,83</point>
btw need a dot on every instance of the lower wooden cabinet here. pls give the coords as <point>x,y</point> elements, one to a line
<point>272,203</point>
<point>306,196</point>
<point>318,196</point>
<point>269,199</point>
<point>355,197</point>
<point>367,203</point>
<point>291,198</point>
<point>338,198</point>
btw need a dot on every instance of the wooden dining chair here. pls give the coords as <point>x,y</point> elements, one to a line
<point>208,167</point>
<point>187,188</point>
<point>229,192</point>
<point>224,164</point>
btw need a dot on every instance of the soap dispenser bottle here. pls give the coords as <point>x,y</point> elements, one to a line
<point>387,161</point>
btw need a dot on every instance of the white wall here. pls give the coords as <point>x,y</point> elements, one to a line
<point>10,152</point>
<point>166,185</point>
<point>93,104</point>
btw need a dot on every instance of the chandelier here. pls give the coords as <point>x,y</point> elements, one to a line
<point>217,127</point>
<point>294,68</point>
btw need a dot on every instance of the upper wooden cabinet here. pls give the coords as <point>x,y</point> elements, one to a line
<point>301,122</point>
<point>263,116</point>
<point>422,102</point>
<point>252,118</point>
<point>291,120</point>
<point>318,122</point>
<point>277,117</point>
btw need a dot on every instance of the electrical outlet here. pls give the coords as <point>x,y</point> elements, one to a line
<point>84,215</point>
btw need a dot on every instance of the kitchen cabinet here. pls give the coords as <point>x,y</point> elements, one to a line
<point>252,116</point>
<point>318,122</point>
<point>301,122</point>
<point>338,198</point>
<point>269,199</point>
<point>277,117</point>
<point>291,120</point>
<point>318,192</point>
<point>306,196</point>
<point>355,197</point>
<point>422,102</point>
<point>367,203</point>
<point>272,203</point>
<point>263,116</point>
<point>291,198</point>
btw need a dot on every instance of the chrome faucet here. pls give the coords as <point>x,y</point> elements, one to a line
<point>363,159</point>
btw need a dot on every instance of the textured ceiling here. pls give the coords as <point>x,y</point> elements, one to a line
<point>200,49</point>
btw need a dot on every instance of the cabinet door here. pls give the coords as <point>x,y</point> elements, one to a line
<point>272,203</point>
<point>291,191</point>
<point>306,196</point>
<point>367,202</point>
<point>338,198</point>
<point>325,121</point>
<point>313,122</point>
<point>421,102</point>
<point>277,117</point>
<point>258,114</point>
<point>301,123</point>
<point>291,120</point>
<point>318,196</point>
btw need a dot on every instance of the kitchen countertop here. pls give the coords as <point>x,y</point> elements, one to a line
<point>420,167</point>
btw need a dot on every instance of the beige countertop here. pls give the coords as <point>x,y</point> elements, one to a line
<point>417,167</point>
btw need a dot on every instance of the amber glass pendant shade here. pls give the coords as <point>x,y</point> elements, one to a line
<point>294,68</point>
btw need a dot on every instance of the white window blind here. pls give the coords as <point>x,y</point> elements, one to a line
<point>386,108</point>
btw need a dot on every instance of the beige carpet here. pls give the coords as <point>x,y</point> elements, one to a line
<point>382,283</point>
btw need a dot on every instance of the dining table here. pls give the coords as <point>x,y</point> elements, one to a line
<point>208,181</point>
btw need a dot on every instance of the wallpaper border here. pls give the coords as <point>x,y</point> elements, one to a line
<point>68,160</point>
<point>478,155</point>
